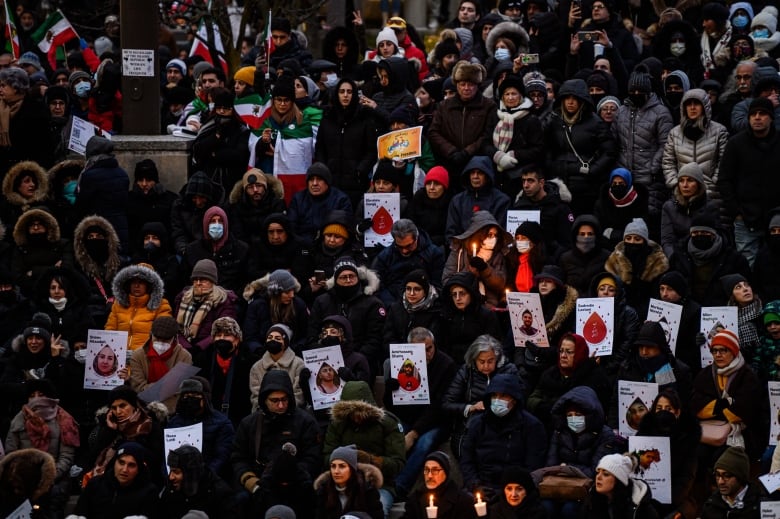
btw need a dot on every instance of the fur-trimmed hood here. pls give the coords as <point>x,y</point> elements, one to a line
<point>564,310</point>
<point>511,30</point>
<point>85,261</point>
<point>371,474</point>
<point>17,465</point>
<point>367,277</point>
<point>21,233</point>
<point>357,411</point>
<point>41,179</point>
<point>18,341</point>
<point>152,279</point>
<point>619,265</point>
<point>156,410</point>
<point>260,286</point>
<point>70,167</point>
<point>274,186</point>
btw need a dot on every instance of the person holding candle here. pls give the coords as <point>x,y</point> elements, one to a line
<point>348,486</point>
<point>439,491</point>
<point>520,497</point>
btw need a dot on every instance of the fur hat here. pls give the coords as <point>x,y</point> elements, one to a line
<point>205,269</point>
<point>226,325</point>
<point>471,72</point>
<point>639,227</point>
<point>348,453</point>
<point>190,385</point>
<point>735,460</point>
<point>281,280</point>
<point>165,328</point>
<point>190,461</point>
<point>728,340</point>
<point>618,465</point>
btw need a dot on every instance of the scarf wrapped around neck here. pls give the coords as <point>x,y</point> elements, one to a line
<point>505,128</point>
<point>137,424</point>
<point>8,109</point>
<point>192,311</point>
<point>423,304</point>
<point>626,200</point>
<point>158,366</point>
<point>41,410</point>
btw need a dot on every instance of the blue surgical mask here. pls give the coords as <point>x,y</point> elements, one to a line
<point>677,49</point>
<point>331,80</point>
<point>69,191</point>
<point>82,89</point>
<point>499,407</point>
<point>502,54</point>
<point>216,230</point>
<point>576,423</point>
<point>761,33</point>
<point>740,21</point>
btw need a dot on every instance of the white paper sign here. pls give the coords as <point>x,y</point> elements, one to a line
<point>23,511</point>
<point>634,400</point>
<point>138,62</point>
<point>515,217</point>
<point>324,383</point>
<point>668,315</point>
<point>596,323</point>
<point>525,313</point>
<point>771,482</point>
<point>383,209</point>
<point>106,355</point>
<point>770,509</point>
<point>655,464</point>
<point>407,365</point>
<point>175,437</point>
<point>80,133</point>
<point>774,412</point>
<point>713,320</point>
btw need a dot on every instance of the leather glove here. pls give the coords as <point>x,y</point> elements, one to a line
<point>364,225</point>
<point>346,374</point>
<point>504,160</point>
<point>478,263</point>
<point>392,384</point>
<point>701,340</point>
<point>250,482</point>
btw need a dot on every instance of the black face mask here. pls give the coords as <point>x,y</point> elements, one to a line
<point>674,98</point>
<point>702,242</point>
<point>97,249</point>
<point>273,347</point>
<point>346,293</point>
<point>692,131</point>
<point>666,422</point>
<point>619,191</point>
<point>150,248</point>
<point>634,250</point>
<point>330,340</point>
<point>638,100</point>
<point>188,406</point>
<point>7,297</point>
<point>38,239</point>
<point>224,348</point>
<point>774,243</point>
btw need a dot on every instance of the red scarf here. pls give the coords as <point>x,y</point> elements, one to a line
<point>524,280</point>
<point>626,200</point>
<point>157,364</point>
<point>224,364</point>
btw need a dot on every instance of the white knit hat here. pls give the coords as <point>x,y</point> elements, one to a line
<point>767,17</point>
<point>386,34</point>
<point>618,465</point>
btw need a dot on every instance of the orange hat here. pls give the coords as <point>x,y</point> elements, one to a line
<point>728,340</point>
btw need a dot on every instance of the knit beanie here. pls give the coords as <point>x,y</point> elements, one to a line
<point>205,269</point>
<point>318,169</point>
<point>401,115</point>
<point>637,226</point>
<point>420,277</point>
<point>774,221</point>
<point>348,454</point>
<point>438,174</point>
<point>651,334</point>
<point>735,460</point>
<point>245,74</point>
<point>704,222</point>
<point>281,280</point>
<point>715,11</point>
<point>767,18</point>
<point>254,176</point>
<point>640,81</point>
<point>535,82</point>
<point>729,281</point>
<point>607,280</point>
<point>618,465</point>
<point>165,328</point>
<point>134,449</point>
<point>177,64</point>
<point>125,393</point>
<point>280,512</point>
<point>39,325</point>
<point>386,34</point>
<point>728,340</point>
<point>146,169</point>
<point>386,171</point>
<point>337,229</point>
<point>285,330</point>
<point>445,48</point>
<point>675,280</point>
<point>607,100</point>
<point>531,230</point>
<point>342,264</point>
<point>442,459</point>
<point>761,104</point>
<point>228,326</point>
<point>692,170</point>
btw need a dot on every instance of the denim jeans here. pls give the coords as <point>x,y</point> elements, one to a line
<point>748,240</point>
<point>415,458</point>
<point>387,501</point>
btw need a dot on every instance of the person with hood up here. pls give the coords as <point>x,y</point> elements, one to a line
<point>479,194</point>
<point>39,247</point>
<point>340,46</point>
<point>350,293</point>
<point>273,300</point>
<point>26,475</point>
<point>617,494</point>
<point>586,258</point>
<point>505,41</point>
<point>464,317</point>
<point>580,439</point>
<point>679,39</point>
<point>197,195</point>
<point>621,200</point>
<point>357,420</point>
<point>138,302</point>
<point>63,182</point>
<point>278,248</point>
<point>580,148</point>
<point>278,355</point>
<point>148,201</point>
<point>228,253</point>
<point>393,73</point>
<point>763,31</point>
<point>155,248</point>
<point>675,85</point>
<point>518,498</point>
<point>25,186</point>
<point>276,452</point>
<point>191,485</point>
<point>125,488</point>
<point>504,434</point>
<point>348,486</point>
<point>451,501</point>
<point>252,199</point>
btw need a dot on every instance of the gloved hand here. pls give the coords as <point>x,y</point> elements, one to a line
<point>459,157</point>
<point>504,160</point>
<point>364,225</point>
<point>346,374</point>
<point>250,482</point>
<point>303,382</point>
<point>392,384</point>
<point>478,263</point>
<point>720,405</point>
<point>701,340</point>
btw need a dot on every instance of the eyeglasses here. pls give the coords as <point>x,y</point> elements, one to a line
<point>719,351</point>
<point>566,353</point>
<point>458,294</point>
<point>722,475</point>
<point>347,277</point>
<point>406,248</point>
<point>277,401</point>
<point>432,472</point>
<point>598,6</point>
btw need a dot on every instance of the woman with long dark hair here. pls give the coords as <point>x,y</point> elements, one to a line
<point>348,486</point>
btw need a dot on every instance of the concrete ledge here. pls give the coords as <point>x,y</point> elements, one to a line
<point>171,154</point>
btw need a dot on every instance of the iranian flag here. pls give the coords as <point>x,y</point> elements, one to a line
<point>55,31</point>
<point>253,109</point>
<point>11,36</point>
<point>200,46</point>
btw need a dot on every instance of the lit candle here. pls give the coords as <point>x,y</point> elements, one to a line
<point>480,506</point>
<point>474,249</point>
<point>430,510</point>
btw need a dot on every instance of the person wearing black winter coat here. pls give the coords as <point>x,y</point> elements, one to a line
<point>430,214</point>
<point>197,195</point>
<point>278,248</point>
<point>555,217</point>
<point>765,279</point>
<point>673,288</point>
<point>252,199</point>
<point>615,213</point>
<point>148,201</point>
<point>586,257</point>
<point>529,507</point>
<point>451,501</point>
<point>155,248</point>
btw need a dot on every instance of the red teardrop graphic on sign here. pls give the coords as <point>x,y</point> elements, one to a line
<point>595,329</point>
<point>382,221</point>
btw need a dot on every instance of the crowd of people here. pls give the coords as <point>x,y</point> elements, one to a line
<point>640,140</point>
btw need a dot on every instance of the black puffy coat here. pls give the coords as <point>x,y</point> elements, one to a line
<point>143,208</point>
<point>246,218</point>
<point>222,151</point>
<point>103,191</point>
<point>453,503</point>
<point>704,281</point>
<point>430,215</point>
<point>581,267</point>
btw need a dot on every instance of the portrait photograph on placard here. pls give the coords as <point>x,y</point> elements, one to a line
<point>324,382</point>
<point>527,319</point>
<point>407,365</point>
<point>634,401</point>
<point>106,355</point>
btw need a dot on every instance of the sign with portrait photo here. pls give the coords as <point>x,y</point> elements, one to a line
<point>175,437</point>
<point>668,315</point>
<point>525,314</point>
<point>106,355</point>
<point>407,365</point>
<point>713,320</point>
<point>654,464</point>
<point>324,382</point>
<point>596,323</point>
<point>634,401</point>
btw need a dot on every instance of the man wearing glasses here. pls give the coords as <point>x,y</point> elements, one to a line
<point>735,496</point>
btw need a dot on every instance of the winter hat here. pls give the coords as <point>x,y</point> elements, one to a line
<point>519,476</point>
<point>442,459</point>
<point>98,145</point>
<point>134,449</point>
<point>651,334</point>
<point>420,277</point>
<point>342,264</point>
<point>622,173</point>
<point>728,340</point>
<point>280,512</point>
<point>40,325</point>
<point>77,75</point>
<point>433,87</point>
<point>245,74</point>
<point>761,104</point>
<point>535,82</point>
<point>281,280</point>
<point>639,227</point>
<point>705,222</point>
<point>511,81</point>
<point>224,98</point>
<point>337,229</point>
<point>199,67</point>
<point>640,81</point>
<point>552,272</point>
<point>607,100</point>
<point>57,93</point>
<point>729,281</point>
<point>228,326</point>
<point>387,34</point>
<point>774,221</point>
<point>319,169</point>
<point>735,460</point>
<point>41,385</point>
<point>766,18</point>
<point>285,330</point>
<point>466,71</point>
<point>386,171</point>
<point>448,84</point>
<point>581,350</point>
<point>692,170</point>
<point>190,385</point>
<point>146,170</point>
<point>284,87</point>
<point>30,58</point>
<point>675,280</point>
<point>607,280</point>
<point>438,174</point>
<point>197,514</point>
<point>254,176</point>
<point>618,465</point>
<point>598,79</point>
<point>348,453</point>
<point>125,393</point>
<point>531,230</point>
<point>401,115</point>
<point>715,11</point>
<point>445,48</point>
<point>771,312</point>
<point>190,461</point>
<point>205,269</point>
<point>178,64</point>
<point>164,328</point>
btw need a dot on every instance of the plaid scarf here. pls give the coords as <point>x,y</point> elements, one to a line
<point>192,311</point>
<point>505,128</point>
<point>746,319</point>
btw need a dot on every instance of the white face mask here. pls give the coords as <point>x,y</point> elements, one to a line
<point>331,80</point>
<point>523,246</point>
<point>499,407</point>
<point>215,231</point>
<point>502,54</point>
<point>576,423</point>
<point>59,305</point>
<point>161,347</point>
<point>489,243</point>
<point>80,355</point>
<point>677,49</point>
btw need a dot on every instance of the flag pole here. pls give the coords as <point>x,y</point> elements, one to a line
<point>268,48</point>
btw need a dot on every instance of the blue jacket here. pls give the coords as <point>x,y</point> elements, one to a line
<point>218,435</point>
<point>307,213</point>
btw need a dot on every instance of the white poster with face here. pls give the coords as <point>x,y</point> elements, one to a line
<point>654,464</point>
<point>713,320</point>
<point>515,217</point>
<point>634,401</point>
<point>175,437</point>
<point>106,355</point>
<point>668,315</point>
<point>525,314</point>
<point>384,209</point>
<point>23,511</point>
<point>774,412</point>
<point>596,323</point>
<point>324,382</point>
<point>407,365</point>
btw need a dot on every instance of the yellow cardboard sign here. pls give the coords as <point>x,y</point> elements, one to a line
<point>400,144</point>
